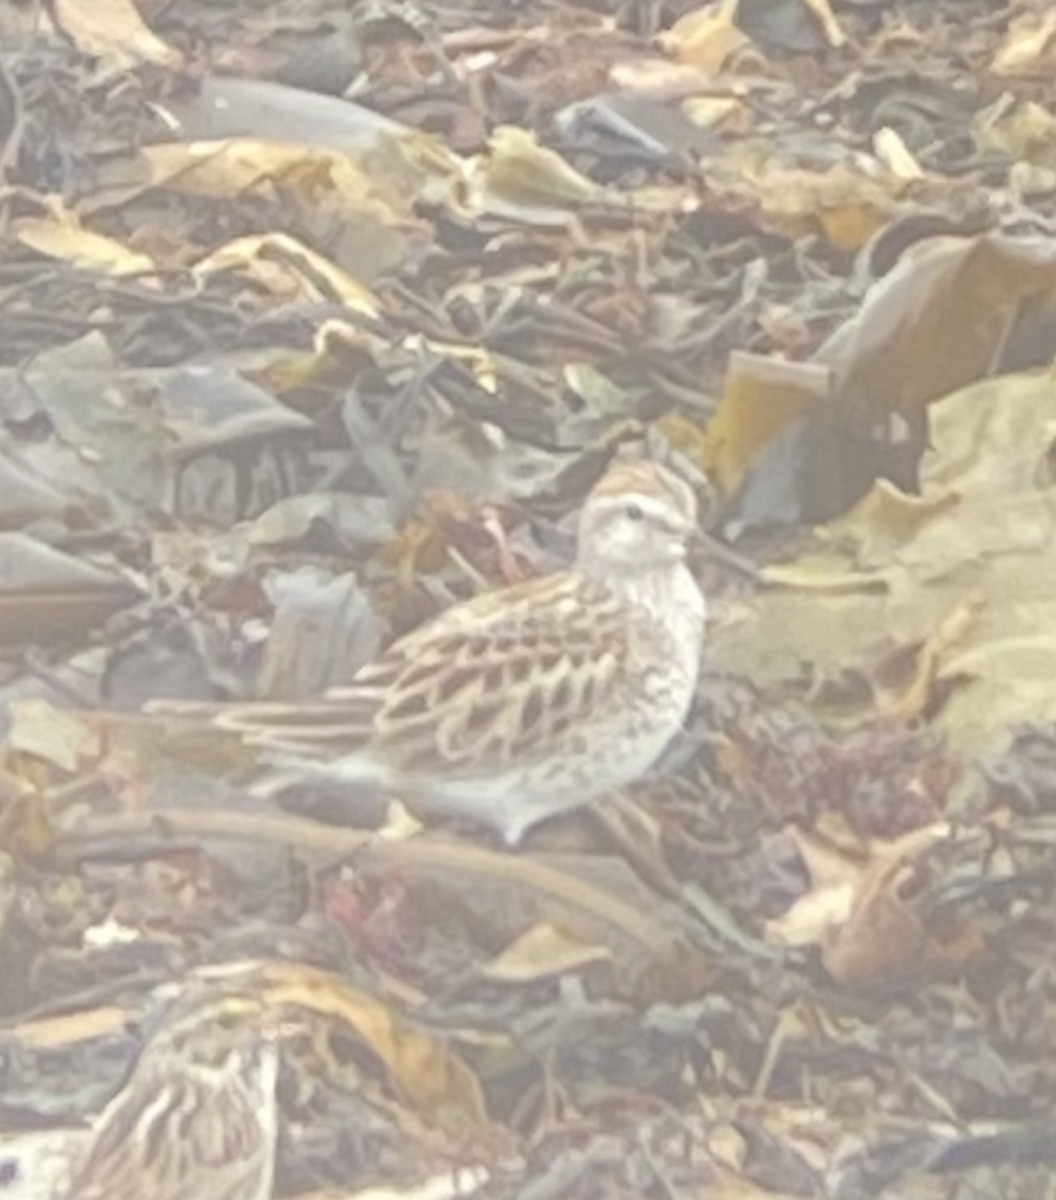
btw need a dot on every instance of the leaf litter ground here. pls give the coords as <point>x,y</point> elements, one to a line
<point>320,317</point>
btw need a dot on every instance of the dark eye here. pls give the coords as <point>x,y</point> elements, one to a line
<point>634,511</point>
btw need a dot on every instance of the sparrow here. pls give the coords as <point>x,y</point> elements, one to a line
<point>197,1118</point>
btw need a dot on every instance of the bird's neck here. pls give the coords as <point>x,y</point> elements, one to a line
<point>667,591</point>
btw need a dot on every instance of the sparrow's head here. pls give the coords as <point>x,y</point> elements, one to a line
<point>638,515</point>
<point>213,1031</point>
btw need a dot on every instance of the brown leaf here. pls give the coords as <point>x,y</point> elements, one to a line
<point>937,321</point>
<point>857,912</point>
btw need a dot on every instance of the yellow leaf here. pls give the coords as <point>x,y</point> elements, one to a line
<point>760,398</point>
<point>113,29</point>
<point>705,37</point>
<point>49,733</point>
<point>290,271</point>
<point>60,236</point>
<point>543,952</point>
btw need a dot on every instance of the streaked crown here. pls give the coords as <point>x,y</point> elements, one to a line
<point>206,1027</point>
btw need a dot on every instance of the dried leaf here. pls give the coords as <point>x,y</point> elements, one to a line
<point>47,595</point>
<point>883,942</point>
<point>114,29</point>
<point>542,953</point>
<point>705,37</point>
<point>51,735</point>
<point>60,236</point>
<point>427,1076</point>
<point>827,19</point>
<point>962,571</point>
<point>1029,47</point>
<point>761,398</point>
<point>937,321</point>
<point>290,271</point>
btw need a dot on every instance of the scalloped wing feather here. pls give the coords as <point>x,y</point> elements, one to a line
<point>504,675</point>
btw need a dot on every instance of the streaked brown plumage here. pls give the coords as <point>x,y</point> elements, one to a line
<point>530,700</point>
<point>197,1118</point>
